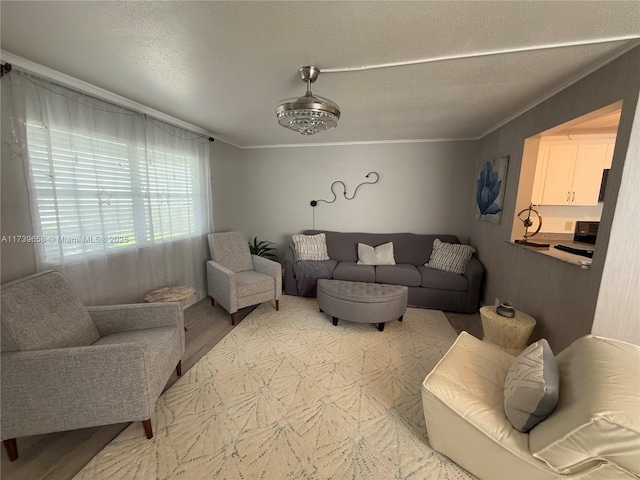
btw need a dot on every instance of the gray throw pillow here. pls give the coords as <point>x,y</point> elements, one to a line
<point>532,386</point>
<point>449,257</point>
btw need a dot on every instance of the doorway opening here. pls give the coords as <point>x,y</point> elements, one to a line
<point>564,175</point>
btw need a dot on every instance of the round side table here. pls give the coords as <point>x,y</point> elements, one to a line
<point>178,294</point>
<point>170,294</point>
<point>508,334</point>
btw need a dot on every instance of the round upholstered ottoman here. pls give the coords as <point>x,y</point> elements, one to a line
<point>362,302</point>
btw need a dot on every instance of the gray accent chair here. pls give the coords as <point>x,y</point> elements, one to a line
<point>237,279</point>
<point>66,366</point>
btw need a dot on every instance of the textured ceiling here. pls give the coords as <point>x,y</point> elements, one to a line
<point>224,66</point>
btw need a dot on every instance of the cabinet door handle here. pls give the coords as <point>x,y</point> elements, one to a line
<point>568,196</point>
<point>573,197</point>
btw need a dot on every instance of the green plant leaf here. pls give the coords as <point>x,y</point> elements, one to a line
<point>263,249</point>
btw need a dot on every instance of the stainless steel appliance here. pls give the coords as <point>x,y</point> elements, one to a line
<point>576,250</point>
<point>586,232</point>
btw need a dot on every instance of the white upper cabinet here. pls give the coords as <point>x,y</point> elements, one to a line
<point>609,156</point>
<point>587,175</point>
<point>559,177</point>
<point>569,172</point>
<point>540,176</point>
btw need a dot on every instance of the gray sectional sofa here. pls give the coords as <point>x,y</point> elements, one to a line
<point>428,288</point>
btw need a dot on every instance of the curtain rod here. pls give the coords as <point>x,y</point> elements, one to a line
<point>4,68</point>
<point>71,82</point>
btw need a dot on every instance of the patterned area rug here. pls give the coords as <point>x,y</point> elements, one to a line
<point>288,395</point>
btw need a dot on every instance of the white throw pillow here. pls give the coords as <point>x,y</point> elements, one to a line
<point>311,247</point>
<point>450,257</point>
<point>380,255</point>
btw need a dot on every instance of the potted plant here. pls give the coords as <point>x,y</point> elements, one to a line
<point>263,249</point>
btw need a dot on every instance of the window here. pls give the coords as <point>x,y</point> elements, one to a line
<point>120,202</point>
<point>98,194</point>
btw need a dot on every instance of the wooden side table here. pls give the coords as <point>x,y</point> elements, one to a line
<point>509,334</point>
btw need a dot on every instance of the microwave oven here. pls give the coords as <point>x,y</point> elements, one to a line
<point>586,232</point>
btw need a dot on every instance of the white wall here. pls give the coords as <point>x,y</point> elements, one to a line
<point>556,217</point>
<point>226,187</point>
<point>423,188</point>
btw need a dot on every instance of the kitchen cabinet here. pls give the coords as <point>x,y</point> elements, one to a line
<point>570,172</point>
<point>609,156</point>
<point>540,175</point>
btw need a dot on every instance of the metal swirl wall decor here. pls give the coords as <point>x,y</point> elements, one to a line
<point>314,203</point>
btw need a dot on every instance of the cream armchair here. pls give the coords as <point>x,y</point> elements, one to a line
<point>66,366</point>
<point>593,433</point>
<point>237,279</point>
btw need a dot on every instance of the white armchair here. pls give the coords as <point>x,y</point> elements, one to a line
<point>237,279</point>
<point>594,432</point>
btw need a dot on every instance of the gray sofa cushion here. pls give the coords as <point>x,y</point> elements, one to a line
<point>409,248</point>
<point>355,273</point>
<point>398,275</point>
<point>41,311</point>
<point>442,280</point>
<point>331,266</point>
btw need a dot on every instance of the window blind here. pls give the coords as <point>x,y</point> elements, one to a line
<point>98,194</point>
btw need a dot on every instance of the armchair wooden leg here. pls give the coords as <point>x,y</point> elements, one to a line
<point>233,319</point>
<point>213,302</point>
<point>147,428</point>
<point>277,305</point>
<point>179,368</point>
<point>11,446</point>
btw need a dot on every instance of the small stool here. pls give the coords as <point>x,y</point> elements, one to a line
<point>508,334</point>
<point>362,302</point>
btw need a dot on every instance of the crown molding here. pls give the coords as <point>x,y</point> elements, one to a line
<point>588,71</point>
<point>364,142</point>
<point>95,91</point>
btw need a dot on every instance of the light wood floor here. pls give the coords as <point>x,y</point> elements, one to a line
<point>469,322</point>
<point>59,456</point>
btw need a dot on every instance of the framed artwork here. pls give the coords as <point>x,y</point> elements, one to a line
<point>490,190</point>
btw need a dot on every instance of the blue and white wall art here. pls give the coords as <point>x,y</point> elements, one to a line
<point>490,189</point>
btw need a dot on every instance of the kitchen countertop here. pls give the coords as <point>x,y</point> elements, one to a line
<point>555,239</point>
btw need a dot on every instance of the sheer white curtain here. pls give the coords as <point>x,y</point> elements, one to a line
<point>120,202</point>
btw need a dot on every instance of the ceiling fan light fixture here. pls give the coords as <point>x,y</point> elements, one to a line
<point>311,113</point>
